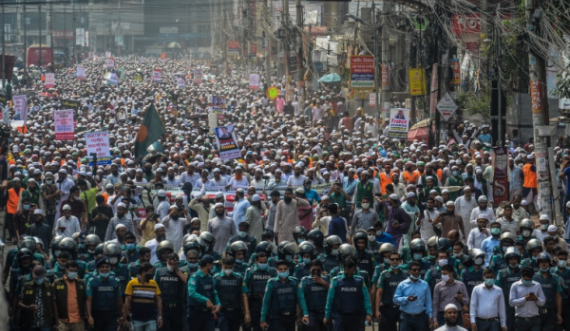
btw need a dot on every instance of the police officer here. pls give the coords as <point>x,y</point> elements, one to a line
<point>238,250</point>
<point>243,236</point>
<point>433,276</point>
<point>317,237</point>
<point>365,259</point>
<point>70,246</point>
<point>418,252</point>
<point>300,234</point>
<point>287,251</point>
<point>24,257</point>
<point>203,301</point>
<point>91,243</point>
<point>192,253</point>
<point>92,265</point>
<point>282,296</point>
<point>348,299</point>
<point>209,243</point>
<point>267,248</point>
<point>28,243</point>
<point>332,243</point>
<point>506,278</point>
<point>144,256</point>
<point>306,255</point>
<point>163,250</point>
<point>386,249</point>
<point>130,249</point>
<point>256,280</point>
<point>232,292</point>
<point>121,272</point>
<point>171,282</point>
<point>315,287</point>
<point>104,298</point>
<point>344,251</point>
<point>386,310</point>
<point>551,313</point>
<point>563,272</point>
<point>373,245</point>
<point>54,246</point>
<point>533,247</point>
<point>526,228</point>
<point>473,275</point>
<point>498,260</point>
<point>59,268</point>
<point>62,288</point>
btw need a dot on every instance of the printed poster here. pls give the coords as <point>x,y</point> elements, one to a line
<point>50,80</point>
<point>399,123</point>
<point>81,75</point>
<point>110,63</point>
<point>98,143</point>
<point>227,142</point>
<point>180,82</point>
<point>63,120</point>
<point>253,81</point>
<point>21,106</point>
<point>157,76</point>
<point>198,76</point>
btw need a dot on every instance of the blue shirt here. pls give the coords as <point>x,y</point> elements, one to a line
<point>420,289</point>
<point>312,195</point>
<point>385,238</point>
<point>240,208</point>
<point>487,246</point>
<point>567,174</point>
<point>337,226</point>
<point>349,186</point>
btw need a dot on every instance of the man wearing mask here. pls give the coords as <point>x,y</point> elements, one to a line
<point>364,218</point>
<point>551,311</point>
<point>454,180</point>
<point>174,224</point>
<point>100,217</point>
<point>398,220</point>
<point>23,217</point>
<point>203,300</point>
<point>159,236</point>
<point>171,282</point>
<point>487,308</point>
<point>386,288</point>
<point>37,299</point>
<point>222,227</point>
<point>232,292</point>
<point>143,302</point>
<point>365,188</point>
<point>39,228</point>
<point>70,298</point>
<point>32,192</point>
<point>464,205</point>
<point>449,291</point>
<point>256,280</point>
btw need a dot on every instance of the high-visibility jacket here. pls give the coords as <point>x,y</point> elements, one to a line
<point>530,180</point>
<point>411,177</point>
<point>13,199</point>
<point>385,179</point>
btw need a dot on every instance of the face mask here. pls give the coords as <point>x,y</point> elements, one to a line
<point>396,267</point>
<point>562,263</point>
<point>442,262</point>
<point>91,251</point>
<point>334,252</point>
<point>113,260</point>
<point>365,205</point>
<point>495,231</point>
<point>306,260</point>
<point>228,272</point>
<point>371,238</point>
<point>26,207</point>
<point>460,254</point>
<point>414,277</point>
<point>544,227</point>
<point>104,274</point>
<point>489,282</point>
<point>504,249</point>
<point>262,266</point>
<point>242,234</point>
<point>387,261</point>
<point>514,266</point>
<point>478,261</point>
<point>39,281</point>
<point>431,257</point>
<point>526,233</point>
<point>284,274</point>
<point>71,275</point>
<point>239,261</point>
<point>131,247</point>
<point>49,181</point>
<point>527,282</point>
<point>300,241</point>
<point>456,173</point>
<point>417,256</point>
<point>169,268</point>
<point>545,270</point>
<point>445,278</point>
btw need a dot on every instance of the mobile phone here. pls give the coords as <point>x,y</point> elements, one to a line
<point>531,293</point>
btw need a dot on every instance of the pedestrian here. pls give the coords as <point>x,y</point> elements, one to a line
<point>527,297</point>
<point>256,280</point>
<point>450,221</point>
<point>551,312</point>
<point>254,218</point>
<point>142,301</point>
<point>337,225</point>
<point>386,311</point>
<point>13,200</point>
<point>38,309</point>
<point>414,299</point>
<point>174,224</point>
<point>70,299</point>
<point>119,218</point>
<point>203,300</point>
<point>398,220</point>
<point>171,282</point>
<point>232,292</point>
<point>364,218</point>
<point>315,287</point>
<point>452,318</point>
<point>449,291</point>
<point>100,217</point>
<point>221,227</point>
<point>68,224</point>
<point>159,236</point>
<point>287,215</point>
<point>240,207</point>
<point>39,228</point>
<point>487,308</point>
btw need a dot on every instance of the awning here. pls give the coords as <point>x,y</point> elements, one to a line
<point>420,133</point>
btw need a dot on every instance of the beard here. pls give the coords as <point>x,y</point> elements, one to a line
<point>220,214</point>
<point>287,200</point>
<point>450,323</point>
<point>238,176</point>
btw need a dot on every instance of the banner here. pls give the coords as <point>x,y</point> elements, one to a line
<point>157,76</point>
<point>417,79</point>
<point>253,81</point>
<point>113,79</point>
<point>107,55</point>
<point>500,163</point>
<point>456,66</point>
<point>233,47</point>
<point>110,63</point>
<point>97,143</point>
<point>399,123</point>
<point>138,77</point>
<point>227,142</point>
<point>198,75</point>
<point>21,107</point>
<point>70,104</point>
<point>362,72</point>
<point>81,75</point>
<point>63,120</point>
<point>180,82</point>
<point>50,80</point>
<point>219,113</point>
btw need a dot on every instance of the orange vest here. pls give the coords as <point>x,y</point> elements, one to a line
<point>13,199</point>
<point>411,177</point>
<point>530,180</point>
<point>385,180</point>
<point>440,174</point>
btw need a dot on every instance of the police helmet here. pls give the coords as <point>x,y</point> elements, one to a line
<point>55,244</point>
<point>28,243</point>
<point>316,236</point>
<point>286,250</point>
<point>476,253</point>
<point>345,250</point>
<point>417,245</point>
<point>507,235</point>
<point>192,245</point>
<point>386,248</point>
<point>533,244</point>
<point>512,252</point>
<point>543,257</point>
<point>236,247</point>
<point>92,239</point>
<point>527,223</point>
<point>443,244</point>
<point>208,238</point>
<point>432,242</point>
<point>164,245</point>
<point>68,244</point>
<point>23,253</point>
<point>264,246</point>
<point>330,241</point>
<point>360,235</point>
<point>76,235</point>
<point>298,232</point>
<point>307,247</point>
<point>39,241</point>
<point>112,249</point>
<point>99,249</point>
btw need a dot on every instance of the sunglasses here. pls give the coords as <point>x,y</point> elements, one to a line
<point>414,270</point>
<point>394,259</point>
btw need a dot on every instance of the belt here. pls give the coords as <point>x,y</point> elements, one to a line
<point>487,319</point>
<point>286,314</point>
<point>229,309</point>
<point>390,306</point>
<point>198,309</point>
<point>527,318</point>
<point>317,311</point>
<point>170,305</point>
<point>414,315</point>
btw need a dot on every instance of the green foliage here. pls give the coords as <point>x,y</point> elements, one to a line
<point>471,103</point>
<point>562,89</point>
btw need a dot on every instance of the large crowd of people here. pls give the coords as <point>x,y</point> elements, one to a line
<point>323,222</point>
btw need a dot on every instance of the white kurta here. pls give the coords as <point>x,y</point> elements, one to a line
<point>175,230</point>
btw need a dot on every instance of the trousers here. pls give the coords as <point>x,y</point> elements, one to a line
<point>528,324</point>
<point>229,320</point>
<point>105,321</point>
<point>418,322</point>
<point>488,325</point>
<point>347,322</point>
<point>390,317</point>
<point>201,319</point>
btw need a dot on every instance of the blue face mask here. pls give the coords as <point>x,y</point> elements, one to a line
<point>26,207</point>
<point>414,277</point>
<point>105,274</point>
<point>544,270</point>
<point>306,260</point>
<point>456,173</point>
<point>131,247</point>
<point>193,265</point>
<point>489,282</point>
<point>39,281</point>
<point>262,266</point>
<point>239,261</point>
<point>527,282</point>
<point>417,256</point>
<point>81,246</point>
<point>284,274</point>
<point>242,234</point>
<point>71,274</point>
<point>300,241</point>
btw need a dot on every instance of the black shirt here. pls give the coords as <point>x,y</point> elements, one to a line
<point>100,225</point>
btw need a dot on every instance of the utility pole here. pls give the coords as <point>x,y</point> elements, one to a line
<point>300,66</point>
<point>51,30</point>
<point>540,115</point>
<point>40,34</point>
<point>443,67</point>
<point>74,29</point>
<point>3,47</point>
<point>376,72</point>
<point>386,91</point>
<point>25,41</point>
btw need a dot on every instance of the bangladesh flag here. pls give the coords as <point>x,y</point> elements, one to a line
<point>150,131</point>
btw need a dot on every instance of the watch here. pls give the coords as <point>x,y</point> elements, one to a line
<point>159,317</point>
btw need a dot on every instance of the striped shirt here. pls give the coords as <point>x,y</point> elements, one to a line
<point>143,302</point>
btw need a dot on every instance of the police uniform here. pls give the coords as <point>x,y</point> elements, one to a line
<point>388,282</point>
<point>256,281</point>
<point>505,279</point>
<point>122,274</point>
<point>15,275</point>
<point>239,267</point>
<point>280,303</point>
<point>472,278</point>
<point>302,270</point>
<point>378,270</point>
<point>432,277</point>
<point>373,248</point>
<point>230,289</point>
<point>498,262</point>
<point>347,303</point>
<point>548,313</point>
<point>366,261</point>
<point>200,290</point>
<point>340,271</point>
<point>104,307</point>
<point>248,240</point>
<point>564,276</point>
<point>172,290</point>
<point>134,257</point>
<point>329,263</point>
<point>316,299</point>
<point>134,268</point>
<point>270,260</point>
<point>530,262</point>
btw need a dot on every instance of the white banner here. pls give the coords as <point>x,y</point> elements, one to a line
<point>253,81</point>
<point>64,125</point>
<point>50,80</point>
<point>180,82</point>
<point>97,143</point>
<point>399,123</point>
<point>81,75</point>
<point>21,106</point>
<point>157,75</point>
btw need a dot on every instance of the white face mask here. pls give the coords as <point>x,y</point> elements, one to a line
<point>228,272</point>
<point>113,260</point>
<point>169,268</point>
<point>365,205</point>
<point>442,262</point>
<point>478,261</point>
<point>445,278</point>
<point>371,238</point>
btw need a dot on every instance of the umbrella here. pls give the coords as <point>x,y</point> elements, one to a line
<point>330,78</point>
<point>173,44</point>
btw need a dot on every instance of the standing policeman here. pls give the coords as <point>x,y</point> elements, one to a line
<point>348,299</point>
<point>233,293</point>
<point>256,280</point>
<point>387,285</point>
<point>203,301</point>
<point>315,288</point>
<point>551,313</point>
<point>171,282</point>
<point>282,296</point>
<point>505,280</point>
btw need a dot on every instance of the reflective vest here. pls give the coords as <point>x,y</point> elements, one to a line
<point>390,282</point>
<point>122,274</point>
<point>348,297</point>
<point>498,262</point>
<point>302,270</point>
<point>229,290</point>
<point>330,263</point>
<point>104,294</point>
<point>549,287</point>
<point>171,287</point>
<point>528,262</point>
<point>315,294</point>
<point>506,280</point>
<point>257,283</point>
<point>283,298</point>
<point>530,180</point>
